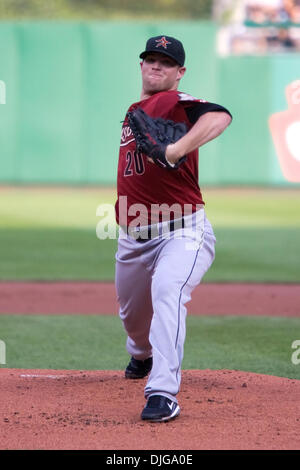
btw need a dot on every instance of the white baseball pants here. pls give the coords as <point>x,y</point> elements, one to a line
<point>154,281</point>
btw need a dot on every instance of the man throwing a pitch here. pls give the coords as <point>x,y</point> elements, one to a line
<point>166,243</point>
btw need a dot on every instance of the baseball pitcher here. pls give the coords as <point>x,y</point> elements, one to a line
<point>166,243</point>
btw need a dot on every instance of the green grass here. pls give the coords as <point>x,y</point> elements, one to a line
<point>71,207</point>
<point>253,207</point>
<point>42,207</point>
<point>256,255</point>
<point>255,344</point>
<point>63,342</point>
<point>50,233</point>
<point>55,254</point>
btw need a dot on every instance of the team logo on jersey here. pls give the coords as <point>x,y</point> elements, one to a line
<point>126,136</point>
<point>162,42</point>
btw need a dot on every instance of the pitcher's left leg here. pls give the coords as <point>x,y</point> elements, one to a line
<point>178,271</point>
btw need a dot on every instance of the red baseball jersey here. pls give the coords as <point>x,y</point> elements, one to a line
<point>147,191</point>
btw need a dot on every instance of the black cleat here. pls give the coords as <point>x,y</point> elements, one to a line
<point>138,369</point>
<point>160,409</point>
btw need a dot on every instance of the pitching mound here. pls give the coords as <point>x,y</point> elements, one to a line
<point>57,409</point>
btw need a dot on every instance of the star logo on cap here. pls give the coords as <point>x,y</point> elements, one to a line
<point>162,42</point>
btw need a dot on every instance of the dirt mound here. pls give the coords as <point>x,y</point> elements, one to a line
<point>59,409</point>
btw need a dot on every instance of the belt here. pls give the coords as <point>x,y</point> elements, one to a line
<point>153,231</point>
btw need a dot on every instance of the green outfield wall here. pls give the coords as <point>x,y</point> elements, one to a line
<point>66,88</point>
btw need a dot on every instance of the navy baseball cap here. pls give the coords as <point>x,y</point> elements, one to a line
<point>165,45</point>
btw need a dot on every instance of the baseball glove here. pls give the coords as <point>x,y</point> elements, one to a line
<point>153,135</point>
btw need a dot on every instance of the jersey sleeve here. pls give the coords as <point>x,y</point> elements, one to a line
<point>198,109</point>
<point>195,108</point>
